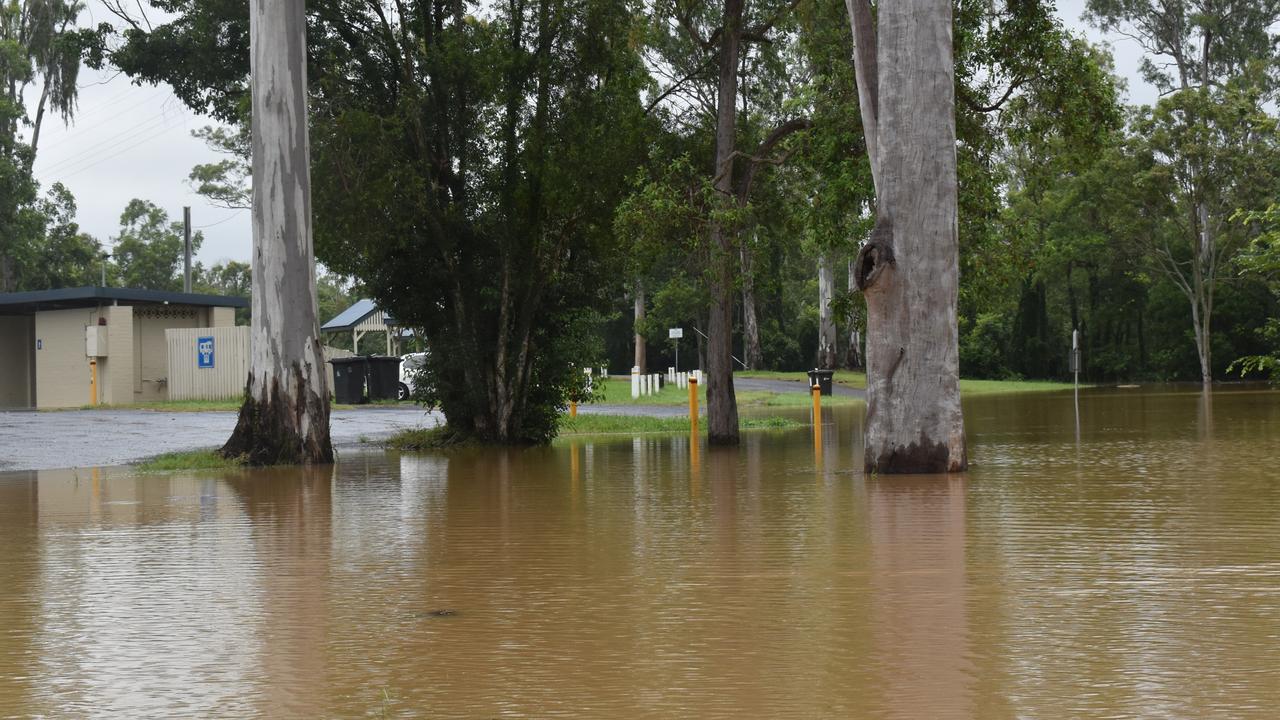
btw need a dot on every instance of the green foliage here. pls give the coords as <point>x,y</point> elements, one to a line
<point>227,182</point>
<point>40,48</point>
<point>148,251</point>
<point>982,346</point>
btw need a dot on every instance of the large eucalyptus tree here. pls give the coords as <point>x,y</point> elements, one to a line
<point>285,415</point>
<point>909,268</point>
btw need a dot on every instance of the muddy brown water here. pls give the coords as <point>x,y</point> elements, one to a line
<point>1132,570</point>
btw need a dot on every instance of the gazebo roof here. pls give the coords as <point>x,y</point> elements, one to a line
<point>358,313</point>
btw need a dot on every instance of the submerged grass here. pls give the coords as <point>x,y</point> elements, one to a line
<point>438,438</point>
<point>989,387</point>
<point>855,379</point>
<point>641,425</point>
<point>190,460</point>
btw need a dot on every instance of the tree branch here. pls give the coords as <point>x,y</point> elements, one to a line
<point>675,86</point>
<point>767,145</point>
<point>1008,93</point>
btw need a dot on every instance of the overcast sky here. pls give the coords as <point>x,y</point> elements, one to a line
<point>130,141</point>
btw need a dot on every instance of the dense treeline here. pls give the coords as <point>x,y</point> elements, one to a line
<point>544,184</point>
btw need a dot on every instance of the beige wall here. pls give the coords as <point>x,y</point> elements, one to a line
<point>136,368</point>
<point>117,368</point>
<point>221,317</point>
<point>151,361</point>
<point>16,348</point>
<point>62,370</point>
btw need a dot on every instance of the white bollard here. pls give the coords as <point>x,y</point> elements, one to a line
<point>635,382</point>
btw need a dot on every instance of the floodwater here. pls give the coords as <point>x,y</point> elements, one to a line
<point>1127,569</point>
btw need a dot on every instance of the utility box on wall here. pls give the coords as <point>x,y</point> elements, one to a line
<point>95,341</point>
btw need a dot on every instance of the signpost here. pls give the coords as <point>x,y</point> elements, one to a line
<point>204,353</point>
<point>675,334</point>
<point>1075,370</point>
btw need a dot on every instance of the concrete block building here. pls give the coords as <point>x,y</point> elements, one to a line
<point>82,346</point>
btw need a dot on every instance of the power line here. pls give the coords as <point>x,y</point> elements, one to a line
<point>146,131</point>
<point>144,141</point>
<point>232,216</point>
<point>123,136</point>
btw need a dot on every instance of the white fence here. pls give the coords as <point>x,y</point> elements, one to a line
<point>220,372</point>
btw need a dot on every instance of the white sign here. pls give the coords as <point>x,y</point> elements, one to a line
<point>675,333</point>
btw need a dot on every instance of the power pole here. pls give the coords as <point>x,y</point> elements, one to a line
<point>186,249</point>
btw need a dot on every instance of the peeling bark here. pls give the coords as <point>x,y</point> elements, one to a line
<point>826,321</point>
<point>853,348</point>
<point>909,267</point>
<point>285,414</point>
<point>640,360</point>
<point>754,356</point>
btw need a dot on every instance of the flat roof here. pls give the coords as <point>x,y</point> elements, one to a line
<point>23,302</point>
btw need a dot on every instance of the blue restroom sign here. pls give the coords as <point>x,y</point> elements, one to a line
<point>204,352</point>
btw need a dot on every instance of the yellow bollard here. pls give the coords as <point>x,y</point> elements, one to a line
<point>817,418</point>
<point>693,404</point>
<point>573,408</point>
<point>695,463</point>
<point>93,381</point>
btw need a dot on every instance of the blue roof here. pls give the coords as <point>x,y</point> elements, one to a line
<point>354,315</point>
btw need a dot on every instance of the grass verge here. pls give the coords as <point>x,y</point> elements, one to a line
<point>618,392</point>
<point>190,460</point>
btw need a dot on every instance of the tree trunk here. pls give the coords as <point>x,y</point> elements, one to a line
<point>641,360</point>
<point>754,356</point>
<point>826,321</point>
<point>285,415</point>
<point>853,350</point>
<point>722,405</point>
<point>909,268</point>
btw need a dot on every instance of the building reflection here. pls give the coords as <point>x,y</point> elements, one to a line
<point>919,622</point>
<point>19,592</point>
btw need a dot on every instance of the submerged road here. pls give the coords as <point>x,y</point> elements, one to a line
<point>31,440</point>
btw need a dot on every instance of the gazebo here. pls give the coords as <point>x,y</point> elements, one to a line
<point>361,318</point>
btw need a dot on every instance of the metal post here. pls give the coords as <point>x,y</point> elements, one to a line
<point>186,244</point>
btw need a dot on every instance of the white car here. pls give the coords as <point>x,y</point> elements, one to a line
<point>410,365</point>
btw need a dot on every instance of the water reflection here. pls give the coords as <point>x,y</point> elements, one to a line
<point>919,594</point>
<point>1131,573</point>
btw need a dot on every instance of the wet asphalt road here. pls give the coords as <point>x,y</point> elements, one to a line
<point>32,440</point>
<point>88,438</point>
